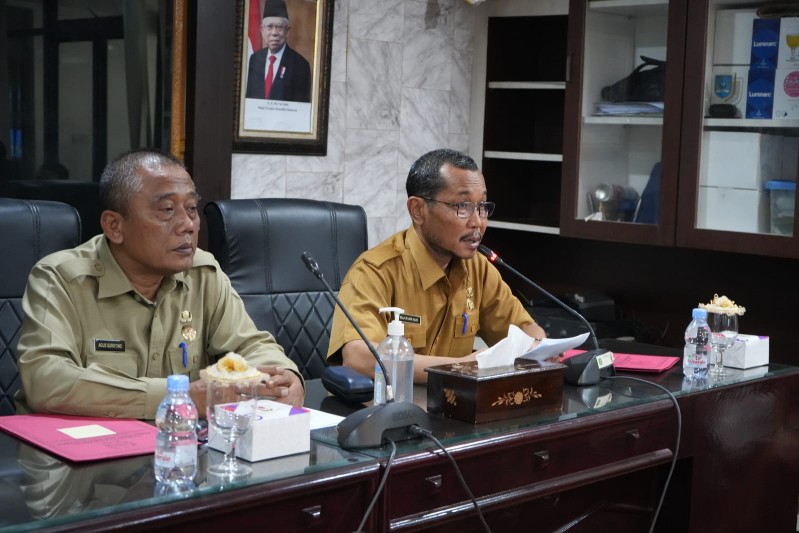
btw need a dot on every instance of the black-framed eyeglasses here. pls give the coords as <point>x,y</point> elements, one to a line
<point>466,209</point>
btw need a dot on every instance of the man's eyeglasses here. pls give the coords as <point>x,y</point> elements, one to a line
<point>280,28</point>
<point>466,209</point>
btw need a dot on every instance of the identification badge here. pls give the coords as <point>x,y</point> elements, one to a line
<point>109,345</point>
<point>410,319</point>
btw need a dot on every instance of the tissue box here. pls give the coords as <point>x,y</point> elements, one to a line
<point>747,352</point>
<point>465,392</point>
<point>278,430</point>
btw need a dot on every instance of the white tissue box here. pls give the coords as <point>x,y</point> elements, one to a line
<point>748,351</point>
<point>278,430</point>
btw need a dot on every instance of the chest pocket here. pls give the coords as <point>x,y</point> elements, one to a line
<point>416,334</point>
<point>192,367</point>
<point>466,327</point>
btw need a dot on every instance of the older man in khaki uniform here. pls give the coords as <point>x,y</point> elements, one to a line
<point>106,322</point>
<point>433,272</point>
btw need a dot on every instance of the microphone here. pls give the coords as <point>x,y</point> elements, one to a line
<point>369,427</point>
<point>583,369</point>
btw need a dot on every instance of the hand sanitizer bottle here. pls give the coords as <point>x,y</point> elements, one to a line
<point>397,355</point>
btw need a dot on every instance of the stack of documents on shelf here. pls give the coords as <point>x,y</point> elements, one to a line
<point>629,108</point>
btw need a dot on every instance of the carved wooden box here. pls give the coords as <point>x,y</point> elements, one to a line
<point>465,392</point>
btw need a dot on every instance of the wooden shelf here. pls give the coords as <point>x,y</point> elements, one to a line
<point>531,228</point>
<point>743,123</point>
<point>524,156</point>
<point>625,121</point>
<point>528,85</point>
<point>633,8</point>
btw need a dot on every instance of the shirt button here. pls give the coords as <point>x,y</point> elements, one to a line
<point>155,356</point>
<point>409,338</point>
<point>195,359</point>
<point>98,267</point>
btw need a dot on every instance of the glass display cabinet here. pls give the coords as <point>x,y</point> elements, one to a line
<point>622,124</point>
<point>741,129</point>
<point>681,125</point>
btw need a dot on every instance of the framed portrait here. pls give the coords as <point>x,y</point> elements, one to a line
<point>282,74</point>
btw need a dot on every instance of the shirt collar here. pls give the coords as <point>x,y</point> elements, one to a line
<point>431,272</point>
<point>114,282</point>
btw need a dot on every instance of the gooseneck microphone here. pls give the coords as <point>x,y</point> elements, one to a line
<point>313,266</point>
<point>583,369</point>
<point>371,426</point>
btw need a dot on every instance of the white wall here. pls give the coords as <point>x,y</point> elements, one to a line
<point>400,86</point>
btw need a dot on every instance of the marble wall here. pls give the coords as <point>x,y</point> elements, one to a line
<point>400,86</point>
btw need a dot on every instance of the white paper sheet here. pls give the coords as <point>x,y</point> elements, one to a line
<point>517,344</point>
<point>551,347</point>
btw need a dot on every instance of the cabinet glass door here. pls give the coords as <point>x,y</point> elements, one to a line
<point>742,130</point>
<point>623,107</point>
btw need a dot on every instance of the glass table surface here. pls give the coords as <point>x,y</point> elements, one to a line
<point>625,390</point>
<point>39,490</point>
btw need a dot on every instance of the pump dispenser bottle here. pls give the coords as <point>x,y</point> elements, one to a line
<point>397,355</point>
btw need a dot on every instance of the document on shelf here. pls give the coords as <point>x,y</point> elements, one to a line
<point>80,438</point>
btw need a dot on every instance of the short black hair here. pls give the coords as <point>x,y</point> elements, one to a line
<point>424,178</point>
<point>120,179</point>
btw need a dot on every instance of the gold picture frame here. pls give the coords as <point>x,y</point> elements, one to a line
<point>293,118</point>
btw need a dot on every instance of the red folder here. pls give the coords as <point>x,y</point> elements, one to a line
<point>636,362</point>
<point>80,438</point>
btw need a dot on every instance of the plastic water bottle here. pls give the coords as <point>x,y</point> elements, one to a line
<point>397,355</point>
<point>696,356</point>
<point>176,440</point>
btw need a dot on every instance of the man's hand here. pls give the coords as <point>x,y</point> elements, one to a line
<point>283,385</point>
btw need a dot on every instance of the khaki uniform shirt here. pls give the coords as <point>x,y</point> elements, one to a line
<point>400,272</point>
<point>91,345</point>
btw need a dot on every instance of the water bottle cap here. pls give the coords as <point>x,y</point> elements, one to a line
<point>699,313</point>
<point>177,383</point>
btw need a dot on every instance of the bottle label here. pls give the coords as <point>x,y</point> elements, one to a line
<point>164,459</point>
<point>180,455</point>
<point>380,387</point>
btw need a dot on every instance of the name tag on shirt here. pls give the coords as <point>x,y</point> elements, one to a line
<point>108,345</point>
<point>410,319</point>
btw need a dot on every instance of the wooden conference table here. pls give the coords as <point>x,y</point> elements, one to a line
<point>600,463</point>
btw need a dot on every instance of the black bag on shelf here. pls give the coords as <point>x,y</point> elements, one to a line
<point>647,83</point>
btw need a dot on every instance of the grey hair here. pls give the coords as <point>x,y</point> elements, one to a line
<point>121,180</point>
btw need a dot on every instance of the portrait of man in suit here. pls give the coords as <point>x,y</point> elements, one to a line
<point>276,72</point>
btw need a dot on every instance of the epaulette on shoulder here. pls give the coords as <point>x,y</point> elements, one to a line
<point>380,255</point>
<point>78,267</point>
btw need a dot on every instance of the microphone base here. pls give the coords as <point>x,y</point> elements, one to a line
<point>589,368</point>
<point>371,426</point>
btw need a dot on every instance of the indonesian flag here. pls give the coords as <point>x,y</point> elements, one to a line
<point>254,27</point>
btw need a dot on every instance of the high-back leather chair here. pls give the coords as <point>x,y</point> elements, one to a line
<point>259,243</point>
<point>29,230</point>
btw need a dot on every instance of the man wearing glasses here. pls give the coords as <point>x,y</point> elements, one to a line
<point>277,72</point>
<point>432,270</point>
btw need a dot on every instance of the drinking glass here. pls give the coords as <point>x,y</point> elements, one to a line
<point>723,332</point>
<point>230,411</point>
<point>792,40</point>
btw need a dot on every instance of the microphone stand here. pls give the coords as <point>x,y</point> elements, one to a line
<point>583,369</point>
<point>369,427</point>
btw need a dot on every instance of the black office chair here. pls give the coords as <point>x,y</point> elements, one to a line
<point>29,230</point>
<point>259,243</point>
